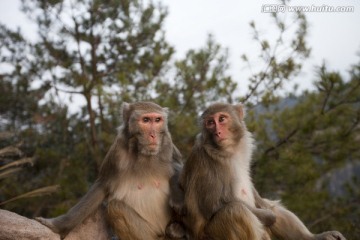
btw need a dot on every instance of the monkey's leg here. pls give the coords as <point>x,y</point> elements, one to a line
<point>87,205</point>
<point>288,226</point>
<point>235,221</point>
<point>128,224</point>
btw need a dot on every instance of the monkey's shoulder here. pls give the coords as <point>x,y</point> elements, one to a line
<point>197,160</point>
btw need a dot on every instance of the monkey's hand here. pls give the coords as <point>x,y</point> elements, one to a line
<point>267,217</point>
<point>330,235</point>
<point>175,230</point>
<point>177,206</point>
<point>48,222</point>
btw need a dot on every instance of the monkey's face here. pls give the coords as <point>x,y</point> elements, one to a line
<point>218,126</point>
<point>151,127</point>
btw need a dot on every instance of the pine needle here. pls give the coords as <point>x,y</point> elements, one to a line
<point>18,163</point>
<point>9,172</point>
<point>35,193</point>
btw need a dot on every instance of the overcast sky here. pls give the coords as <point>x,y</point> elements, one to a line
<point>333,36</point>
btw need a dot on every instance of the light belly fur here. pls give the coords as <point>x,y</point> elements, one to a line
<point>149,198</point>
<point>243,185</point>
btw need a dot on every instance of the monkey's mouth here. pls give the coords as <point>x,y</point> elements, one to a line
<point>153,145</point>
<point>219,139</point>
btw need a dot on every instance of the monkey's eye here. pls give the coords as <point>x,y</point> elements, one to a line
<point>210,122</point>
<point>146,119</point>
<point>222,119</point>
<point>158,119</point>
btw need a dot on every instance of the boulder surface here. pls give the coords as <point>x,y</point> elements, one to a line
<point>13,226</point>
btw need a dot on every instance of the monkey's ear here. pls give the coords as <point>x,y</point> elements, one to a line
<point>125,110</point>
<point>166,110</point>
<point>240,110</point>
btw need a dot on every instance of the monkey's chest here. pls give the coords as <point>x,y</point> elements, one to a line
<point>243,185</point>
<point>149,198</point>
<point>243,190</point>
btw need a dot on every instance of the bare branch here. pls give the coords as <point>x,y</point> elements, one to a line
<point>10,151</point>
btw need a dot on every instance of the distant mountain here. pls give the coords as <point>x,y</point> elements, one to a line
<point>342,180</point>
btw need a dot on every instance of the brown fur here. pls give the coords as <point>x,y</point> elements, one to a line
<point>213,209</point>
<point>133,178</point>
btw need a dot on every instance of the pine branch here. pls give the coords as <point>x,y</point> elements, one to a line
<point>18,163</point>
<point>6,173</point>
<point>10,151</point>
<point>35,193</point>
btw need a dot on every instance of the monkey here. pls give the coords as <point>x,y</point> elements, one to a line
<point>220,201</point>
<point>133,179</point>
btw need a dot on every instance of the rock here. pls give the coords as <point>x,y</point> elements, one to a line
<point>14,226</point>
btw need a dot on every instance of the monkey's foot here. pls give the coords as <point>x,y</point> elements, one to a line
<point>48,223</point>
<point>330,235</point>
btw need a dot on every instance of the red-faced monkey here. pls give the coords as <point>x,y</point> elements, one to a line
<point>133,178</point>
<point>220,200</point>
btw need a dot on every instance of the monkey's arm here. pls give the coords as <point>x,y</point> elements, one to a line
<point>209,204</point>
<point>176,191</point>
<point>288,226</point>
<point>176,194</point>
<point>88,204</point>
<point>175,229</point>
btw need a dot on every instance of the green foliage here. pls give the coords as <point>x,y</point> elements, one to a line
<point>305,148</point>
<point>199,78</point>
<point>12,162</point>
